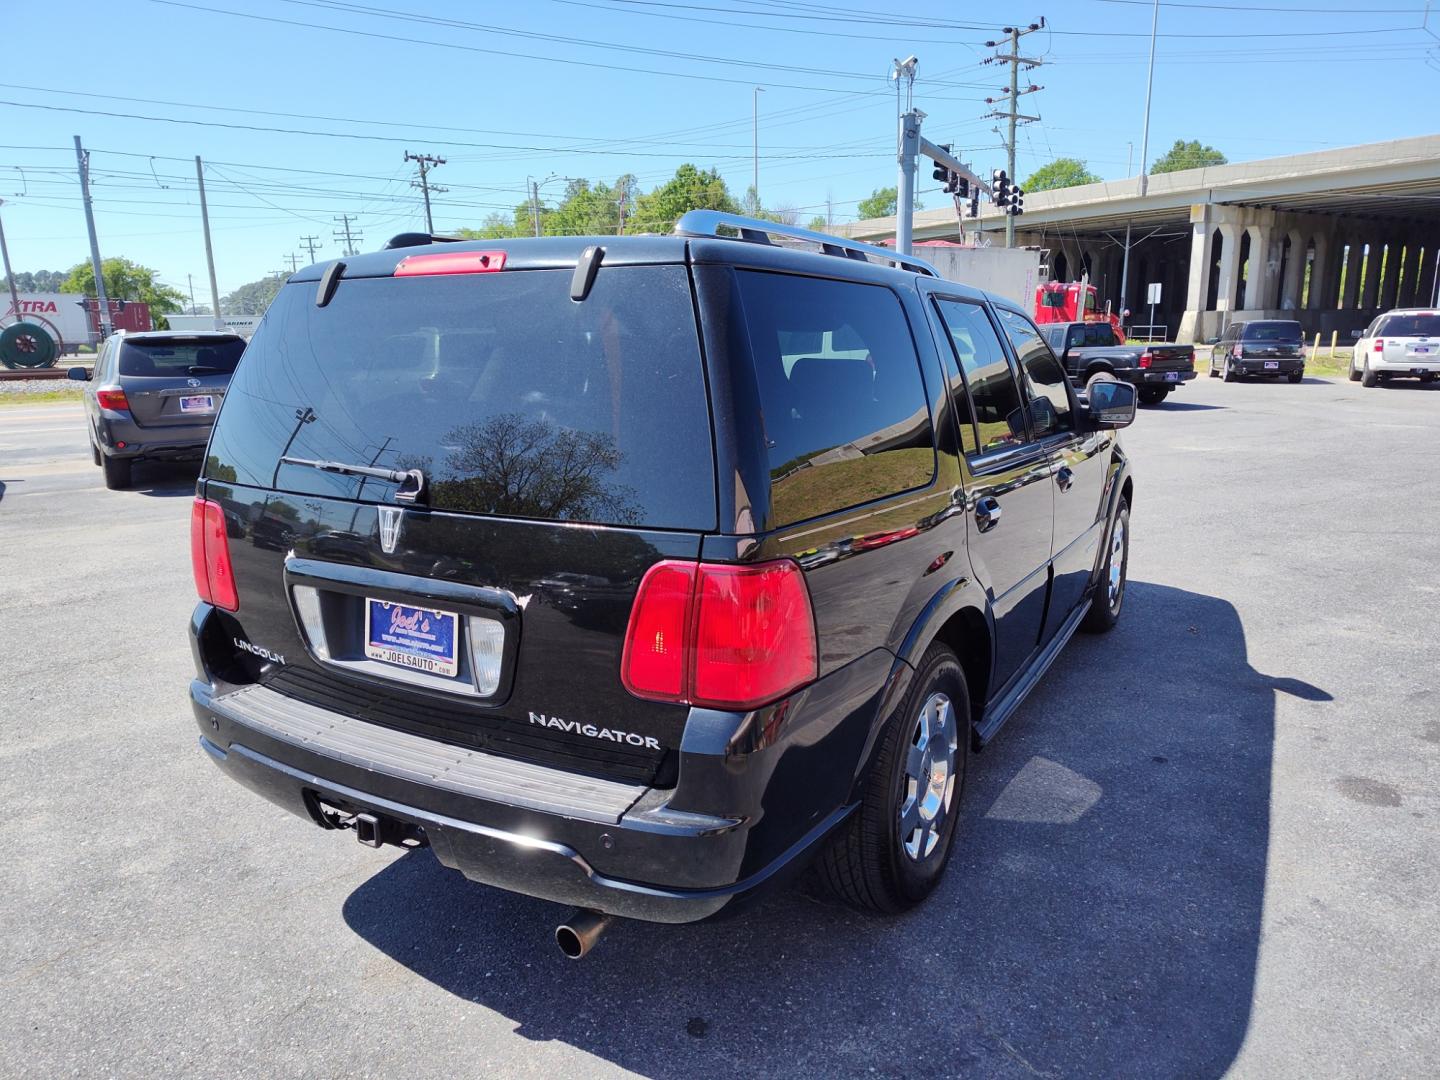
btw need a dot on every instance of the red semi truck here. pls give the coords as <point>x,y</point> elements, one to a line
<point>1073,301</point>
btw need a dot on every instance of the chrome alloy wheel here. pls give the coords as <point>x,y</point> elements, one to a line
<point>928,787</point>
<point>1116,584</point>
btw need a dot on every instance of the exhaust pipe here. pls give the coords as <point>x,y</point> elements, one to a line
<point>580,933</point>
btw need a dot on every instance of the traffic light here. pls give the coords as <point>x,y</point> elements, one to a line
<point>959,186</point>
<point>941,172</point>
<point>1017,201</point>
<point>1000,189</point>
<point>975,203</point>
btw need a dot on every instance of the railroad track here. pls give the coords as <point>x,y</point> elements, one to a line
<point>56,372</point>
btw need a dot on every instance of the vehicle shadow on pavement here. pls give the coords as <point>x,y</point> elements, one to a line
<point>1185,406</point>
<point>164,479</point>
<point>1101,915</point>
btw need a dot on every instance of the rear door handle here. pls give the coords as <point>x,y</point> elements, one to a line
<point>987,513</point>
<point>1064,478</point>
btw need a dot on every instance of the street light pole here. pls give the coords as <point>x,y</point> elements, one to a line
<point>755,130</point>
<point>1144,157</point>
<point>9,274</point>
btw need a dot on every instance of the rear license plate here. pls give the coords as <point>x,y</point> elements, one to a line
<point>198,403</point>
<point>1172,376</point>
<point>1420,350</point>
<point>412,637</point>
<point>1271,364</point>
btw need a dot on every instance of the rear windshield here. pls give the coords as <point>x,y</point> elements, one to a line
<point>513,399</point>
<point>1273,331</point>
<point>1422,325</point>
<point>179,356</point>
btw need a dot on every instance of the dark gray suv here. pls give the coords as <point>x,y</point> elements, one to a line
<point>153,397</point>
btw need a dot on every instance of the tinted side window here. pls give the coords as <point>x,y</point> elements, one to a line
<point>1050,400</point>
<point>845,413</point>
<point>993,391</point>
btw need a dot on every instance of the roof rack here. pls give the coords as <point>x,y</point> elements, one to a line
<point>755,231</point>
<point>417,239</point>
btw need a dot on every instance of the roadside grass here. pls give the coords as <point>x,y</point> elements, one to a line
<point>39,398</point>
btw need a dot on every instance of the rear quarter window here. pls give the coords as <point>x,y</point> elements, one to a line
<point>846,416</point>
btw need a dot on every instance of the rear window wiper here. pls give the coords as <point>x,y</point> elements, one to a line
<point>411,481</point>
<point>203,369</point>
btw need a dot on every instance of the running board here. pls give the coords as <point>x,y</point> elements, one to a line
<point>1003,709</point>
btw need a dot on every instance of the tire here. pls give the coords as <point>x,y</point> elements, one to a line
<point>1230,375</point>
<point>117,472</point>
<point>1428,377</point>
<point>1296,376</point>
<point>1092,377</point>
<point>94,452</point>
<point>1109,598</point>
<point>1368,377</point>
<point>1153,395</point>
<point>1354,374</point>
<point>872,863</point>
<point>1213,373</point>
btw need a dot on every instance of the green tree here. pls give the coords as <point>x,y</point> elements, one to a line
<point>818,223</point>
<point>689,189</point>
<point>126,280</point>
<point>252,298</point>
<point>1187,155</point>
<point>881,203</point>
<point>35,281</point>
<point>1060,173</point>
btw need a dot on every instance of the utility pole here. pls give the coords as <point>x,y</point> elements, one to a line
<point>82,160</point>
<point>535,206</point>
<point>190,280</point>
<point>294,261</point>
<point>426,163</point>
<point>309,244</point>
<point>1144,161</point>
<point>9,274</point>
<point>344,231</point>
<point>209,251</point>
<point>1013,94</point>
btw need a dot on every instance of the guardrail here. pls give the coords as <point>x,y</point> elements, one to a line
<point>1150,333</point>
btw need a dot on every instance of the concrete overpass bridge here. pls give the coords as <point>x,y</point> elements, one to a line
<point>1327,238</point>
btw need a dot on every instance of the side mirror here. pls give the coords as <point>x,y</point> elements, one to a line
<point>1212,341</point>
<point>79,374</point>
<point>1356,335</point>
<point>1112,404</point>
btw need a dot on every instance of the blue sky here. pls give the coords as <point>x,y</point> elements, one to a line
<point>596,88</point>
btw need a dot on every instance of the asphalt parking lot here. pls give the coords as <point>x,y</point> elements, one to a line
<point>1207,844</point>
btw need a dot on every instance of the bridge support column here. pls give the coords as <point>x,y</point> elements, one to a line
<point>1197,286</point>
<point>1294,271</point>
<point>1394,266</point>
<point>1319,272</point>
<point>1259,272</point>
<point>1374,261</point>
<point>1348,291</point>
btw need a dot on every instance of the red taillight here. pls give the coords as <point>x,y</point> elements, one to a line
<point>731,637</point>
<point>655,642</point>
<point>1145,359</point>
<point>1379,344</point>
<point>112,399</point>
<point>452,262</point>
<point>210,556</point>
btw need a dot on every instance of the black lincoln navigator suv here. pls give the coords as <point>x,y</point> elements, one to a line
<point>635,573</point>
